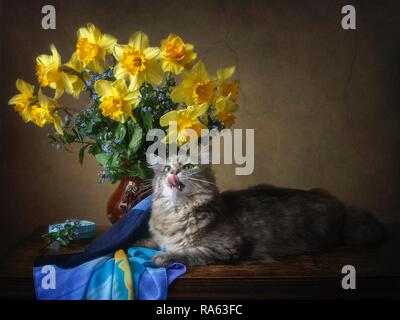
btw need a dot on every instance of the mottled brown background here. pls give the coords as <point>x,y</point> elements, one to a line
<point>324,102</point>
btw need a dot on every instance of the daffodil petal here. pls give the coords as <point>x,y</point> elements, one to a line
<point>132,98</point>
<point>120,72</point>
<point>16,99</point>
<point>57,123</point>
<point>66,82</point>
<point>171,136</point>
<point>26,114</point>
<point>171,66</point>
<point>75,63</point>
<point>135,81</point>
<point>107,42</point>
<point>43,99</point>
<point>95,32</point>
<point>104,88</point>
<point>85,32</point>
<point>119,51</point>
<point>79,85</point>
<point>181,94</point>
<point>24,87</point>
<point>151,52</point>
<point>226,73</point>
<point>196,111</point>
<point>168,117</point>
<point>44,59</point>
<point>154,73</point>
<point>56,55</point>
<point>98,65</point>
<point>189,57</point>
<point>120,86</point>
<point>139,41</point>
<point>189,47</point>
<point>200,70</point>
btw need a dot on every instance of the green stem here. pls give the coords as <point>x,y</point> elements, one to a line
<point>78,74</point>
<point>85,142</point>
<point>68,110</point>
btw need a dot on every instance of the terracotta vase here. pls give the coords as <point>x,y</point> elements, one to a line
<point>129,192</point>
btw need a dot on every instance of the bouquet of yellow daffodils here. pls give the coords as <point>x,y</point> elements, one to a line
<point>133,88</point>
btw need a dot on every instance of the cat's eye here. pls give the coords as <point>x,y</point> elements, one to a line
<point>188,166</point>
<point>167,168</point>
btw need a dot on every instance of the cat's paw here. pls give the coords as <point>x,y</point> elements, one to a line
<point>164,259</point>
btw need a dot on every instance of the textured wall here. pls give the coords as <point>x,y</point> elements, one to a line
<point>323,101</point>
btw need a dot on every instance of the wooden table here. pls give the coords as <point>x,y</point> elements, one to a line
<point>300,277</point>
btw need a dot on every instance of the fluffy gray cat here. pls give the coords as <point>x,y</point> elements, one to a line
<point>198,225</point>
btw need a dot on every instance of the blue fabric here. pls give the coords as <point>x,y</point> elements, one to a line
<point>152,282</point>
<point>104,271</point>
<point>70,284</point>
<point>131,227</point>
<point>147,283</point>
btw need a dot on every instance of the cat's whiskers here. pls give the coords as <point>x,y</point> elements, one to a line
<point>147,181</point>
<point>193,172</point>
<point>146,192</point>
<point>146,184</point>
<point>197,185</point>
<point>200,180</point>
<point>146,188</point>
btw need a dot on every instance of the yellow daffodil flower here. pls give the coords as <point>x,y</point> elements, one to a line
<point>225,110</point>
<point>175,54</point>
<point>184,119</point>
<point>117,101</point>
<point>196,87</point>
<point>138,61</point>
<point>225,88</point>
<point>45,112</point>
<point>92,47</point>
<point>41,116</point>
<point>49,73</point>
<point>22,102</point>
<point>77,66</point>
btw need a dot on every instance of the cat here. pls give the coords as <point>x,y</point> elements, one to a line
<point>198,225</point>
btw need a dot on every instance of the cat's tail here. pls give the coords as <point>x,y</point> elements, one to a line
<point>362,228</point>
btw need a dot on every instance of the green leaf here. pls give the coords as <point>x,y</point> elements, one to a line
<point>102,158</point>
<point>94,149</point>
<point>46,236</point>
<point>64,242</point>
<point>120,132</point>
<point>136,140</point>
<point>82,154</point>
<point>141,170</point>
<point>147,120</point>
<point>68,138</point>
<point>78,136</point>
<point>132,173</point>
<point>115,162</point>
